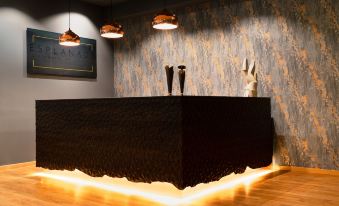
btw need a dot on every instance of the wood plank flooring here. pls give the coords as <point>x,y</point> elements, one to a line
<point>282,188</point>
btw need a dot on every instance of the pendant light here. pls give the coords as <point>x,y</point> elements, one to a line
<point>165,20</point>
<point>69,38</point>
<point>112,30</point>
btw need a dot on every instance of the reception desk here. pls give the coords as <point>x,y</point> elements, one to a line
<point>183,140</point>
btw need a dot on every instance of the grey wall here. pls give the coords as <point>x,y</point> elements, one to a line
<point>19,92</point>
<point>295,44</point>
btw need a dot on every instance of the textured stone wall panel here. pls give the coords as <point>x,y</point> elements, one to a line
<point>295,44</point>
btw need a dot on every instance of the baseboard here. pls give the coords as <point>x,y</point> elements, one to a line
<point>19,164</point>
<point>310,170</point>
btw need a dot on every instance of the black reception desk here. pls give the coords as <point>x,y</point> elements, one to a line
<point>183,140</point>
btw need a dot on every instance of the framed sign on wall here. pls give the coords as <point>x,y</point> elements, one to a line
<point>46,57</point>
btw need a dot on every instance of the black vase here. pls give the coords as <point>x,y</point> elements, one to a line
<point>181,74</point>
<point>169,75</point>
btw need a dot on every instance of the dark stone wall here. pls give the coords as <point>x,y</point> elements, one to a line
<point>295,44</point>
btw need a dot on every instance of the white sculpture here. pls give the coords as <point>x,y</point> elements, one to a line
<point>251,79</point>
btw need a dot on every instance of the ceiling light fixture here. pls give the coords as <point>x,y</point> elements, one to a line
<point>69,38</point>
<point>165,20</point>
<point>112,30</point>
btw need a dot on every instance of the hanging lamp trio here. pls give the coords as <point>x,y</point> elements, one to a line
<point>164,20</point>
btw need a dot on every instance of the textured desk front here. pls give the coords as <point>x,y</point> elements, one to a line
<point>182,140</point>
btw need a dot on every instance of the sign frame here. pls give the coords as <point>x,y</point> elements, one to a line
<point>45,56</point>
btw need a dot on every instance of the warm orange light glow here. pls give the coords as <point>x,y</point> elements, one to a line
<point>69,43</point>
<point>112,35</point>
<point>165,26</point>
<point>164,193</point>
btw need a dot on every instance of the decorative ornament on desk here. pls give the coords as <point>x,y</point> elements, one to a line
<point>181,74</point>
<point>169,76</point>
<point>251,79</point>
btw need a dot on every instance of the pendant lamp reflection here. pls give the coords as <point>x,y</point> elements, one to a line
<point>165,20</point>
<point>112,30</point>
<point>69,38</point>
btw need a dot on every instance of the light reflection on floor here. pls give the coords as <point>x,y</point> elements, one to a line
<point>124,191</point>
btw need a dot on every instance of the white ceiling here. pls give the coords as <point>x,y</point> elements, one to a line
<point>103,2</point>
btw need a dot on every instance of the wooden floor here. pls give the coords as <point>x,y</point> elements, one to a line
<point>18,187</point>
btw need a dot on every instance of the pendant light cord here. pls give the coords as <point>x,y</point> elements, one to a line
<point>111,17</point>
<point>69,14</point>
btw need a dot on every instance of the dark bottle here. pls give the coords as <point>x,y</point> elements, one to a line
<point>181,74</point>
<point>169,75</point>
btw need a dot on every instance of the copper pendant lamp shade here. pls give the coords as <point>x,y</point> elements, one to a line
<point>112,31</point>
<point>69,38</point>
<point>165,20</point>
